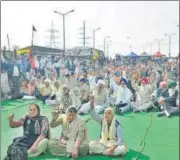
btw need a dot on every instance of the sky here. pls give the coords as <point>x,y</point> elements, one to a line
<point>128,23</point>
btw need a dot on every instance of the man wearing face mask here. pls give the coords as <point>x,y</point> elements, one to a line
<point>123,98</point>
<point>169,103</point>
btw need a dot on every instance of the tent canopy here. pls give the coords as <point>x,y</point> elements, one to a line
<point>144,54</point>
<point>132,55</point>
<point>158,54</point>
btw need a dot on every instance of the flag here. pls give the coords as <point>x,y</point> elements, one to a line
<point>34,29</point>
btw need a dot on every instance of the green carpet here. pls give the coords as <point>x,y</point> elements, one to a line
<point>161,142</point>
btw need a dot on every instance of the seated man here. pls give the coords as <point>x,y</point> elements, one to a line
<point>74,140</point>
<point>111,142</point>
<point>101,99</point>
<point>143,101</point>
<point>169,103</point>
<point>45,90</point>
<point>123,98</point>
<point>30,94</point>
<point>55,96</point>
<point>162,91</point>
<point>75,95</point>
<point>84,89</point>
<point>24,88</point>
<point>65,99</point>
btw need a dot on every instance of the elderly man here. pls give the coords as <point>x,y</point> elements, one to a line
<point>45,90</point>
<point>84,89</point>
<point>162,91</point>
<point>65,99</point>
<point>143,102</point>
<point>169,103</point>
<point>123,98</point>
<point>111,142</point>
<point>101,99</point>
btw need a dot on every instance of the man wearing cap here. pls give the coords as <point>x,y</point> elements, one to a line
<point>101,97</point>
<point>169,103</point>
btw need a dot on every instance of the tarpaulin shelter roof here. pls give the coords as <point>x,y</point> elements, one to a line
<point>144,54</point>
<point>158,54</point>
<point>132,55</point>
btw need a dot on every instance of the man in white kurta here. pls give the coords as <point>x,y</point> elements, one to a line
<point>144,92</point>
<point>101,99</point>
<point>123,98</point>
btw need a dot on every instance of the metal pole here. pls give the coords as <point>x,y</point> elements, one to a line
<point>84,42</point>
<point>104,46</point>
<point>107,49</point>
<point>169,46</point>
<point>64,39</point>
<point>94,38</point>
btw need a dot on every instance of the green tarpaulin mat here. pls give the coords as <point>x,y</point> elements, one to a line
<point>161,135</point>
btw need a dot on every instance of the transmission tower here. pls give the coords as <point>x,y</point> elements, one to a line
<point>52,43</point>
<point>82,34</point>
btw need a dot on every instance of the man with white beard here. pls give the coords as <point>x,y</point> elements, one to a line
<point>144,92</point>
<point>100,94</point>
<point>123,99</point>
<point>169,103</point>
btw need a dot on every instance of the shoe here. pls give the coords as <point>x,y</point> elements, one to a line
<point>160,114</point>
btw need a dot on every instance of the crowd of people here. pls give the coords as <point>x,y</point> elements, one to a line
<point>128,86</point>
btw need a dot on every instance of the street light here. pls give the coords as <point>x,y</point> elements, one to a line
<point>170,36</point>
<point>94,31</point>
<point>108,44</point>
<point>105,38</point>
<point>64,14</point>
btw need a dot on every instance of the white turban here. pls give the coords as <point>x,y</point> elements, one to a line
<point>100,81</point>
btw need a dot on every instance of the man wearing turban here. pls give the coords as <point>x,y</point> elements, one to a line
<point>101,97</point>
<point>143,102</point>
<point>123,98</point>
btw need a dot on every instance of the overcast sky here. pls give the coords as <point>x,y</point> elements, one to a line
<point>142,21</point>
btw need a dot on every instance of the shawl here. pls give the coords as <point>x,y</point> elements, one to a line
<point>70,130</point>
<point>108,136</point>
